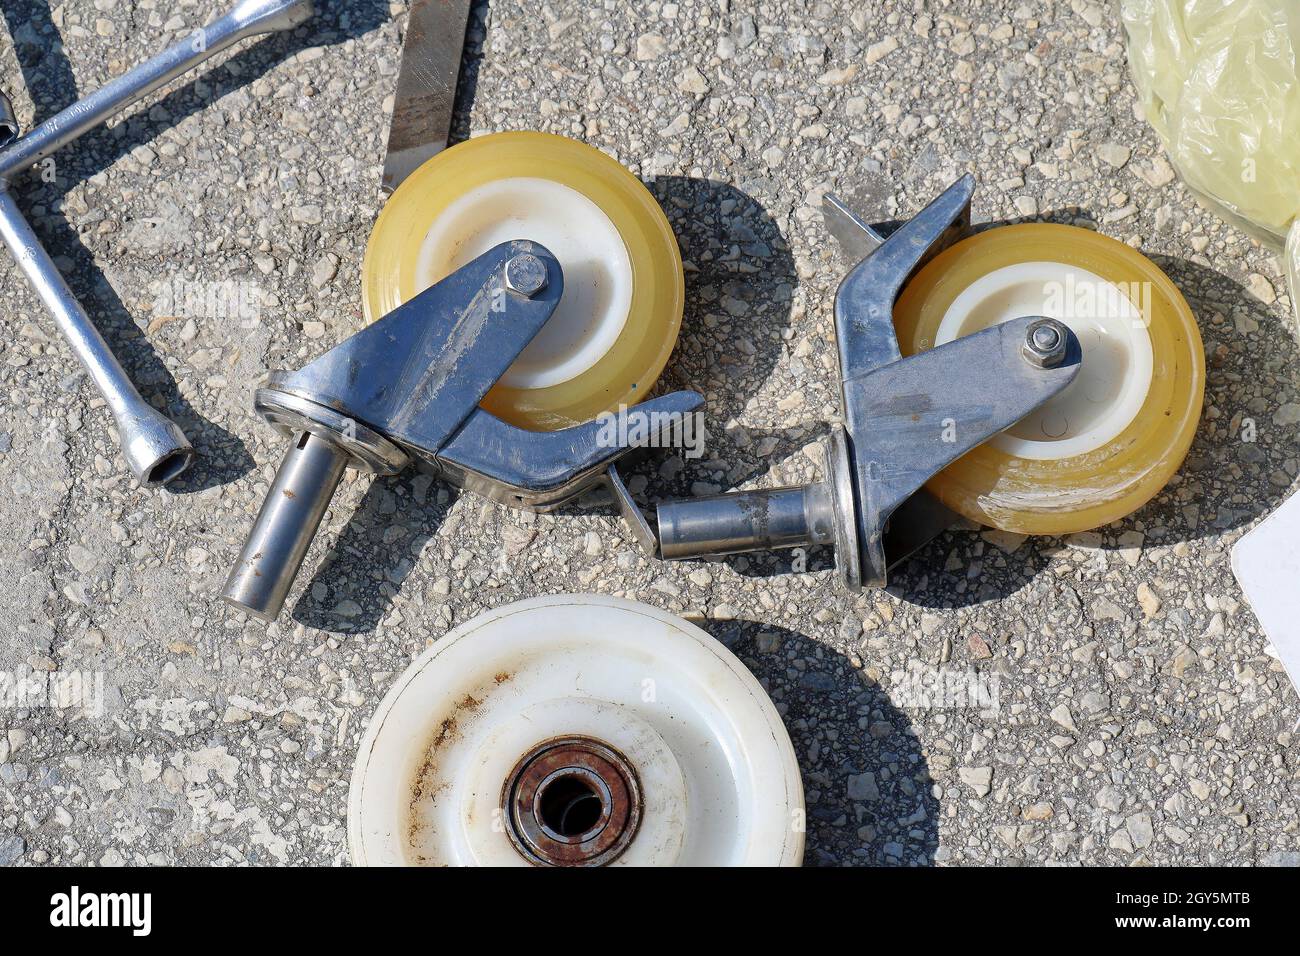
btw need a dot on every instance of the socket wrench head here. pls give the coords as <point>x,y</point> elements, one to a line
<point>8,122</point>
<point>156,449</point>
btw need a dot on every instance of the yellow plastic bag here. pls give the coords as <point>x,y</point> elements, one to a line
<point>1220,82</point>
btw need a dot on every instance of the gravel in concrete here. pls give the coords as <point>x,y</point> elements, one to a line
<point>1125,707</point>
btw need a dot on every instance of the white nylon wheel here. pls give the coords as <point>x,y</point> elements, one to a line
<point>576,729</point>
<point>1116,375</point>
<point>597,270</point>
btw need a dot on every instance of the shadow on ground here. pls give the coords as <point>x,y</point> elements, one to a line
<point>866,783</point>
<point>740,282</point>
<point>388,531</point>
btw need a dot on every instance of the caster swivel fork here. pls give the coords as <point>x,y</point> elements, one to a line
<point>904,418</point>
<point>405,391</point>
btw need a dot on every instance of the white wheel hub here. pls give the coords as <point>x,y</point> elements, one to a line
<point>576,730</point>
<point>1117,360</point>
<point>597,268</point>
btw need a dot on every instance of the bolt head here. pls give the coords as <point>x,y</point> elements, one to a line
<point>1046,338</point>
<point>1046,343</point>
<point>525,274</point>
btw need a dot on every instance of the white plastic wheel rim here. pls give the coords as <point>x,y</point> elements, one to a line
<point>1117,357</point>
<point>717,771</point>
<point>597,268</point>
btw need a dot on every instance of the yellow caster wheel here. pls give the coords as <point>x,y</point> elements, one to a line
<point>1108,443</point>
<point>617,323</point>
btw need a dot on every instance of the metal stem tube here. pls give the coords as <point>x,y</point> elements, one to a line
<point>244,20</point>
<point>285,526</point>
<point>746,521</point>
<point>155,448</point>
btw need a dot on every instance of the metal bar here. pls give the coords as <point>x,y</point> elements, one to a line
<point>155,449</point>
<point>290,515</point>
<point>631,513</point>
<point>425,98</point>
<point>246,19</point>
<point>746,521</point>
<point>857,237</point>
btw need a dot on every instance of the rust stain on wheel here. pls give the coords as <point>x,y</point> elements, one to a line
<point>572,801</point>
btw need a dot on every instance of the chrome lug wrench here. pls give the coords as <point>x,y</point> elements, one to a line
<point>155,448</point>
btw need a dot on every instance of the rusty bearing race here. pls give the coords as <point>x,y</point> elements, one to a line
<point>572,801</point>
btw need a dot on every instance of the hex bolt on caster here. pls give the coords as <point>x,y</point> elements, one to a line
<point>1036,378</point>
<point>576,730</point>
<point>407,389</point>
<point>155,449</point>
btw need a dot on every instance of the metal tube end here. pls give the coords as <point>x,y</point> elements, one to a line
<point>8,122</point>
<point>156,450</point>
<point>745,521</point>
<point>293,509</point>
<point>270,16</point>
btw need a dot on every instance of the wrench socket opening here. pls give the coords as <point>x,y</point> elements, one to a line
<point>168,467</point>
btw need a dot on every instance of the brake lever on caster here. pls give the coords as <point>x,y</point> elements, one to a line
<point>405,391</point>
<point>904,418</point>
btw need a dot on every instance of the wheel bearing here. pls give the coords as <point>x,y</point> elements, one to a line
<point>572,801</point>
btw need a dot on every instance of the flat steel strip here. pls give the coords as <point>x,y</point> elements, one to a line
<point>425,98</point>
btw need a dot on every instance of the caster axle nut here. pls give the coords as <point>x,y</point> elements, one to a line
<point>1046,343</point>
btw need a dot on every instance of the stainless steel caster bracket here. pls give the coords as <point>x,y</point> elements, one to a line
<point>904,418</point>
<point>405,391</point>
